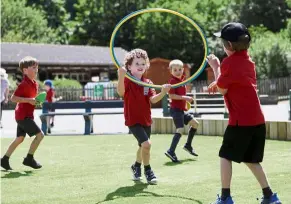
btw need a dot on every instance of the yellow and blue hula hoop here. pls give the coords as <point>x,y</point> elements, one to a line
<point>150,10</point>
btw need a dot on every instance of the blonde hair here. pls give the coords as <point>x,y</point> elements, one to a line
<point>176,62</point>
<point>136,53</point>
<point>27,62</point>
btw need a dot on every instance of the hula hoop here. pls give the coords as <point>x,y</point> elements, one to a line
<point>133,14</point>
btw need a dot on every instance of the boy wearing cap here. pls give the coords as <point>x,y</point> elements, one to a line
<point>244,137</point>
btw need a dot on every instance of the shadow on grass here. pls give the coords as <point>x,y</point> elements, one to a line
<point>138,190</point>
<point>15,174</point>
<point>170,163</point>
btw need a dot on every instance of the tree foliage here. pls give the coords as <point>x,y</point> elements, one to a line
<point>21,23</point>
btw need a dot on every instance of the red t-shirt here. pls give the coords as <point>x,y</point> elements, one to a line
<point>137,106</point>
<point>179,104</point>
<point>238,76</point>
<point>49,95</point>
<point>27,89</point>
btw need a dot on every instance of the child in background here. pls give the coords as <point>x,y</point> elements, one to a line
<point>178,106</point>
<point>50,96</point>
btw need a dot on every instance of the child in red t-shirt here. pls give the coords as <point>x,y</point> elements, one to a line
<point>177,107</point>
<point>244,137</point>
<point>137,108</point>
<point>24,96</point>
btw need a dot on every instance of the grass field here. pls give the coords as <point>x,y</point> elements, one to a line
<point>95,169</point>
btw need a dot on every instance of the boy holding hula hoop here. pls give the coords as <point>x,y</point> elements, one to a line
<point>137,108</point>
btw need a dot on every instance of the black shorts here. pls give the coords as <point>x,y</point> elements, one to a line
<point>27,126</point>
<point>180,118</point>
<point>141,133</point>
<point>244,143</point>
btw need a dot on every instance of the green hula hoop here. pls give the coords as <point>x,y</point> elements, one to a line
<point>150,10</point>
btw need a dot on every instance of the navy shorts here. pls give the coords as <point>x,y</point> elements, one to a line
<point>180,118</point>
<point>141,133</point>
<point>244,143</point>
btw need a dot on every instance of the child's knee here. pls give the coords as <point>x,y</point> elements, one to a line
<point>180,130</point>
<point>19,140</point>
<point>39,135</point>
<point>146,145</point>
<point>194,123</point>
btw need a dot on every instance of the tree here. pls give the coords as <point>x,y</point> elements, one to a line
<point>277,62</point>
<point>20,23</point>
<point>269,13</point>
<point>168,36</point>
<point>56,15</point>
<point>96,20</point>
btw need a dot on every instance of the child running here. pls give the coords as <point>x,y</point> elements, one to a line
<point>24,96</point>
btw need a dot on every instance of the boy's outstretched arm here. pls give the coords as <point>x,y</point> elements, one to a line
<point>214,63</point>
<point>179,97</point>
<point>165,89</point>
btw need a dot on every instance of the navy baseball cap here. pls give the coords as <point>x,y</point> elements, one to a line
<point>232,31</point>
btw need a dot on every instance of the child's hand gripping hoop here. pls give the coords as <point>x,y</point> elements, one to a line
<point>40,98</point>
<point>150,10</point>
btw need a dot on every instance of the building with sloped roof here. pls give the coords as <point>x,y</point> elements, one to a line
<point>63,61</point>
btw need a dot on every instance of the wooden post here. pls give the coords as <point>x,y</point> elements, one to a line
<point>206,127</point>
<point>195,103</point>
<point>268,130</point>
<point>273,130</point>
<point>200,127</point>
<point>219,127</point>
<point>289,130</point>
<point>282,130</point>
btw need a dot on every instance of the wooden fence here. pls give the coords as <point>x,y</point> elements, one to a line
<point>277,130</point>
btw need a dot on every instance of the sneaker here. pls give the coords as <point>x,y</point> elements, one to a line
<point>31,163</point>
<point>52,124</point>
<point>172,156</point>
<point>136,171</point>
<point>227,201</point>
<point>150,176</point>
<point>272,200</point>
<point>190,150</point>
<point>5,164</point>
